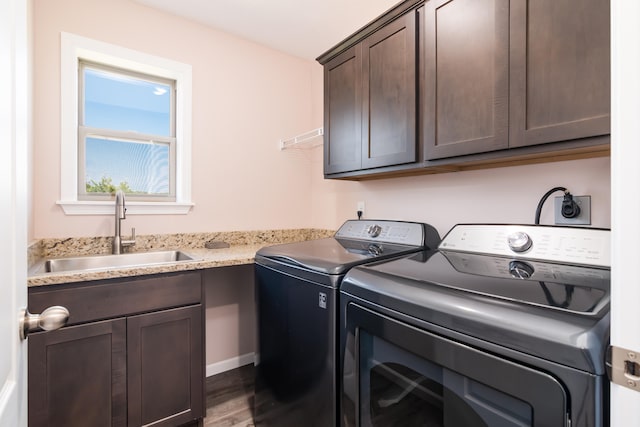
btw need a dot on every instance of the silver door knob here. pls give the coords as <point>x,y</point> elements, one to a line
<point>54,317</point>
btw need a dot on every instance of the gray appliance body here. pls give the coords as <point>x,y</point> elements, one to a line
<point>474,339</point>
<point>297,294</point>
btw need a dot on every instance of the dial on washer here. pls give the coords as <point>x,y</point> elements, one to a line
<point>519,241</point>
<point>520,270</point>
<point>374,230</point>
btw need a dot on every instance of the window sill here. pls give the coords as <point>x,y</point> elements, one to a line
<point>72,207</point>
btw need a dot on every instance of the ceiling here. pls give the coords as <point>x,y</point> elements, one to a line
<point>302,28</point>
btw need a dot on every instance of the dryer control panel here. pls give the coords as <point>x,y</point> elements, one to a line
<point>399,232</point>
<point>568,245</point>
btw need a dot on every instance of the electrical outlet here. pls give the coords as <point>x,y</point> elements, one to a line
<point>585,211</point>
<point>360,207</point>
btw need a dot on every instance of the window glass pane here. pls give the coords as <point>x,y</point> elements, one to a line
<point>135,167</point>
<point>121,102</point>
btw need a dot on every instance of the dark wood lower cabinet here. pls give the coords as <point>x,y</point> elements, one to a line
<point>78,376</point>
<point>164,352</point>
<point>139,368</point>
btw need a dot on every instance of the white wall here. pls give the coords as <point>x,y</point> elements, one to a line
<point>246,98</point>
<point>508,194</point>
<point>230,318</point>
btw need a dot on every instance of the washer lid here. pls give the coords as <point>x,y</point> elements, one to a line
<point>559,312</point>
<point>356,242</point>
<point>333,255</point>
<point>524,283</point>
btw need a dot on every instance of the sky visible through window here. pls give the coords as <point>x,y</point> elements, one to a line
<point>120,102</point>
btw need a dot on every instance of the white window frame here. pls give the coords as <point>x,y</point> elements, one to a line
<point>74,48</point>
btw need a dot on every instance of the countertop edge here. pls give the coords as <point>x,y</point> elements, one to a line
<point>242,249</point>
<point>203,259</point>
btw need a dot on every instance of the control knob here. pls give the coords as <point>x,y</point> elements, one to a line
<point>374,230</point>
<point>519,241</point>
<point>520,270</point>
<point>375,250</point>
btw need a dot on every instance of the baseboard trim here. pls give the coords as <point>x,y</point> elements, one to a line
<point>229,364</point>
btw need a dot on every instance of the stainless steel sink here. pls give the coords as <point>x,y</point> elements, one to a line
<point>96,262</point>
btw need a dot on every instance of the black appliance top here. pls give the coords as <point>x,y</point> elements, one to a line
<point>355,243</point>
<point>555,310</point>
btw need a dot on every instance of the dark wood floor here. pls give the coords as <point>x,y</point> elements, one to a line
<point>230,398</point>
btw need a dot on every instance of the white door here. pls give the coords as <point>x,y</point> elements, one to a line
<point>625,196</point>
<point>13,208</point>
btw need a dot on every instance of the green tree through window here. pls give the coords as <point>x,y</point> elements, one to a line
<point>105,185</point>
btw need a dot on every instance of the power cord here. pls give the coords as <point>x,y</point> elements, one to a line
<point>570,208</point>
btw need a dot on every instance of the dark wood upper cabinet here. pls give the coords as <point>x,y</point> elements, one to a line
<point>560,70</point>
<point>466,86</point>
<point>505,74</point>
<point>450,85</point>
<point>370,97</point>
<point>343,112</point>
<point>389,94</point>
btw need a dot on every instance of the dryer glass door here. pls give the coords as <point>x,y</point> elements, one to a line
<point>398,375</point>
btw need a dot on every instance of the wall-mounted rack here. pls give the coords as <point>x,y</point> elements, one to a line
<point>305,140</point>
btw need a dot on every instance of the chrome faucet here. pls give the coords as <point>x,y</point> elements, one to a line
<point>118,243</point>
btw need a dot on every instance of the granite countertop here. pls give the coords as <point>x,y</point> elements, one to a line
<point>242,249</point>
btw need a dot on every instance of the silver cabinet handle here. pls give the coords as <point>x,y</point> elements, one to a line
<point>52,318</point>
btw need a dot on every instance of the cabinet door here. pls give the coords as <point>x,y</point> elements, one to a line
<point>466,67</point>
<point>166,367</point>
<point>389,94</point>
<point>560,76</point>
<point>342,112</point>
<point>77,376</point>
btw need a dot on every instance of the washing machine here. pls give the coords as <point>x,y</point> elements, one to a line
<point>297,287</point>
<point>501,326</point>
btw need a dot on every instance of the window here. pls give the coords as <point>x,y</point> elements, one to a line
<point>129,129</point>
<point>126,134</point>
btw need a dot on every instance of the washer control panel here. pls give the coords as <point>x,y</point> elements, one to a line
<point>570,245</point>
<point>404,233</point>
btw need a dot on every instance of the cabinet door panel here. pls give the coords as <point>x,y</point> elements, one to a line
<point>166,371</point>
<point>107,299</point>
<point>342,81</point>
<point>389,94</point>
<point>466,77</point>
<point>77,376</point>
<point>560,80</point>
